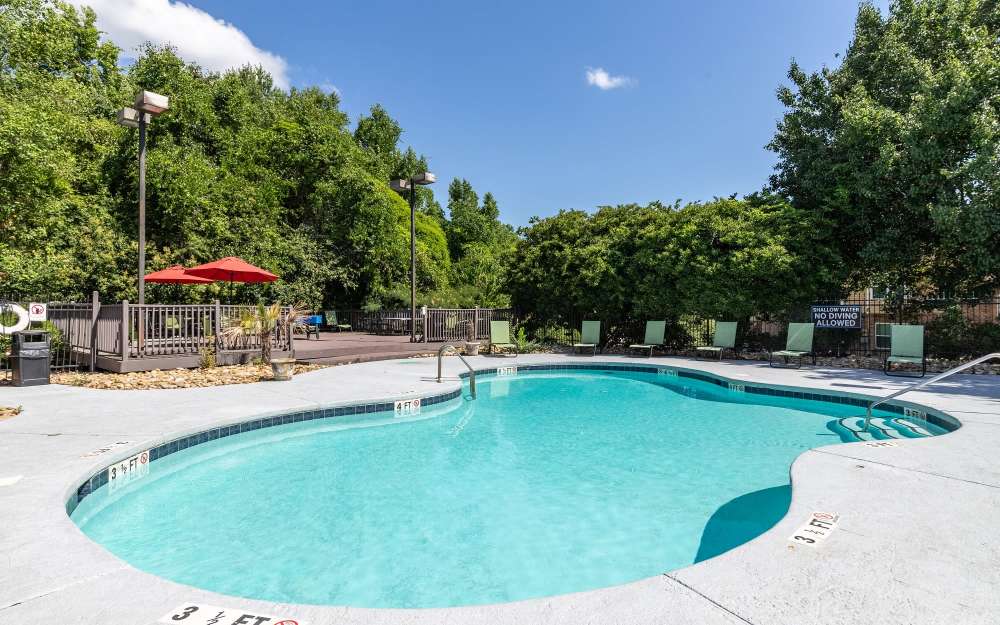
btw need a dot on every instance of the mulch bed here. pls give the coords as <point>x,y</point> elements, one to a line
<point>6,412</point>
<point>174,378</point>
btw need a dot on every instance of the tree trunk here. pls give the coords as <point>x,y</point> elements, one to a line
<point>265,347</point>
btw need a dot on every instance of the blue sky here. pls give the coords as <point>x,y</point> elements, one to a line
<point>498,92</point>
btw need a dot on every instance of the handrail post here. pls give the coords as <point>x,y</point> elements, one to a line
<point>217,328</point>
<point>472,372</point>
<point>95,311</point>
<point>125,347</point>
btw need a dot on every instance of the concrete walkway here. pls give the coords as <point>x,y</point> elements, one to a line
<point>914,543</point>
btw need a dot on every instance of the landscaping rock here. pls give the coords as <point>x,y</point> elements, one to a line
<point>174,378</point>
<point>6,412</point>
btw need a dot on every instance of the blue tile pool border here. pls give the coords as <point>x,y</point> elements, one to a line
<point>940,420</point>
<point>162,450</point>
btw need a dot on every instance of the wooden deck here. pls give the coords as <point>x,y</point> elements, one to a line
<point>347,347</point>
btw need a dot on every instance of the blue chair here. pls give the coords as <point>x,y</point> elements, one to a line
<point>309,325</point>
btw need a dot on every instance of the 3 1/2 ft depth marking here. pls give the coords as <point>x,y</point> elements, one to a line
<point>816,530</point>
<point>200,614</point>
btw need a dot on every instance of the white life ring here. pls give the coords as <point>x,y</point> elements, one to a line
<point>22,319</point>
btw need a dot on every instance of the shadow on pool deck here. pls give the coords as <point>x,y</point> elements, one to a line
<point>335,348</point>
<point>742,519</point>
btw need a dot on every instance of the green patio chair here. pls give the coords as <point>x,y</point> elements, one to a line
<point>723,339</point>
<point>907,347</point>
<point>331,322</point>
<point>653,338</point>
<point>172,325</point>
<point>500,337</point>
<point>590,336</point>
<point>798,345</point>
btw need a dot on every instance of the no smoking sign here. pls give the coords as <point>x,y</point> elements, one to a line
<point>37,311</point>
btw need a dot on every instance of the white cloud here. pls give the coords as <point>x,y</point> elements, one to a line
<point>600,78</point>
<point>329,87</point>
<point>198,37</point>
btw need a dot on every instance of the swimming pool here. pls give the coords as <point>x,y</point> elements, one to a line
<point>550,482</point>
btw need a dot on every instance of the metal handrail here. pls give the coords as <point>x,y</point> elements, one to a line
<point>923,383</point>
<point>472,372</point>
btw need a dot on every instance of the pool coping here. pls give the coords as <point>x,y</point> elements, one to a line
<point>704,592</point>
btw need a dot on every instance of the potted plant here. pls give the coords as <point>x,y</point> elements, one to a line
<point>261,322</point>
<point>282,368</point>
<point>471,344</point>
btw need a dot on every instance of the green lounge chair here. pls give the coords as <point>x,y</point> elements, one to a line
<point>907,347</point>
<point>500,337</point>
<point>590,336</point>
<point>331,322</point>
<point>723,339</point>
<point>653,338</point>
<point>799,344</point>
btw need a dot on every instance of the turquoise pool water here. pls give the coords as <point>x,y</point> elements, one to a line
<point>549,483</point>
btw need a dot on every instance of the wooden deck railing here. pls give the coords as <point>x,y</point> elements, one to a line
<point>111,335</point>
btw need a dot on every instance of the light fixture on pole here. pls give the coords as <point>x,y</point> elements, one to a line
<point>147,105</point>
<point>423,178</point>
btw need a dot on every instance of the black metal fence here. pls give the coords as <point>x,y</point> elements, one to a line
<point>433,324</point>
<point>954,328</point>
<point>68,325</point>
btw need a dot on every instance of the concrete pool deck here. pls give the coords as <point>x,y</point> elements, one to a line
<point>915,542</point>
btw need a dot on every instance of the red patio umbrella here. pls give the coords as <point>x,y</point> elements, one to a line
<point>175,275</point>
<point>232,269</point>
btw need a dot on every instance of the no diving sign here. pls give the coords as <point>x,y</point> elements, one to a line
<point>841,317</point>
<point>198,614</point>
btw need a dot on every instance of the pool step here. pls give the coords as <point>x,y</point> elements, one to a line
<point>912,427</point>
<point>882,428</point>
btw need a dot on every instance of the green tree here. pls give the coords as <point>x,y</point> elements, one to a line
<point>728,258</point>
<point>235,167</point>
<point>898,148</point>
<point>379,134</point>
<point>57,85</point>
<point>464,221</point>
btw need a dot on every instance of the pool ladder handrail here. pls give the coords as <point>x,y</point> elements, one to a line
<point>472,372</point>
<point>923,383</point>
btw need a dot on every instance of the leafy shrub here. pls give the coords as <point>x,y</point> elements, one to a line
<point>524,344</point>
<point>208,359</point>
<point>952,335</point>
<point>55,334</point>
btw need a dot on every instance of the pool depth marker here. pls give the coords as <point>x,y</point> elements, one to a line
<point>199,614</point>
<point>816,530</point>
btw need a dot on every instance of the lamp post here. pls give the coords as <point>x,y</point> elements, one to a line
<point>147,105</point>
<point>410,185</point>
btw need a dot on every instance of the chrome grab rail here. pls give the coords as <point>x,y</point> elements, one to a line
<point>923,383</point>
<point>472,372</point>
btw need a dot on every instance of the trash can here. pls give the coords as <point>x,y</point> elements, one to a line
<point>29,355</point>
